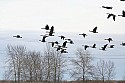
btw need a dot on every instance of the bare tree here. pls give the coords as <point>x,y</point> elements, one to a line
<point>82,66</point>
<point>23,65</point>
<point>32,66</point>
<point>55,64</point>
<point>15,54</point>
<point>110,70</point>
<point>105,70</point>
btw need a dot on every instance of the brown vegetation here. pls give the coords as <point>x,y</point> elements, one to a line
<point>89,81</point>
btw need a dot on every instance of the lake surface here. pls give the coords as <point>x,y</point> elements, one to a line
<point>31,41</point>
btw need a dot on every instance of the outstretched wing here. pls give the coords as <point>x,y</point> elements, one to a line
<point>114,17</point>
<point>109,16</point>
<point>47,27</point>
<point>94,30</point>
<point>52,29</point>
<point>123,12</point>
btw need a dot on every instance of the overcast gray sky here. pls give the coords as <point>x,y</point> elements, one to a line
<point>64,15</point>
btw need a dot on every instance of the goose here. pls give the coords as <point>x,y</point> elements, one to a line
<point>44,37</point>
<point>84,35</point>
<point>111,46</point>
<point>63,51</point>
<point>109,39</point>
<point>58,47</point>
<point>46,27</point>
<point>56,42</point>
<point>62,37</point>
<point>94,46</point>
<point>85,46</point>
<point>17,36</point>
<point>104,47</point>
<point>110,14</point>
<point>52,43</point>
<point>94,30</point>
<point>70,41</point>
<point>123,44</point>
<point>107,7</point>
<point>51,31</point>
<point>64,44</point>
<point>123,14</point>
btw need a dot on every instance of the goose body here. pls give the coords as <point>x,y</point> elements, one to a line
<point>43,39</point>
<point>56,42</point>
<point>62,37</point>
<point>94,30</point>
<point>58,47</point>
<point>46,27</point>
<point>104,47</point>
<point>122,0</point>
<point>52,43</point>
<point>94,46</point>
<point>123,14</point>
<point>107,7</point>
<point>123,44</point>
<point>64,44</point>
<point>51,31</point>
<point>83,34</point>
<point>85,46</point>
<point>110,14</point>
<point>63,51</point>
<point>109,39</point>
<point>70,41</point>
<point>111,46</point>
<point>17,36</point>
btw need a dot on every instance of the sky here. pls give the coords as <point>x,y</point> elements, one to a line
<point>64,15</point>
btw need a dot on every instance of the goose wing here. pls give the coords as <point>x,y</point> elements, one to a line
<point>94,30</point>
<point>109,15</point>
<point>114,17</point>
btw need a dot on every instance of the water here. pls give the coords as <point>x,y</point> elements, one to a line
<point>31,41</point>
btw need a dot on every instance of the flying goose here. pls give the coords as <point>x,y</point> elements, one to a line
<point>62,37</point>
<point>94,46</point>
<point>58,47</point>
<point>56,42</point>
<point>94,30</point>
<point>107,7</point>
<point>123,14</point>
<point>109,39</point>
<point>85,46</point>
<point>64,44</point>
<point>51,31</point>
<point>111,46</point>
<point>122,0</point>
<point>110,14</point>
<point>83,34</point>
<point>63,51</point>
<point>123,44</point>
<point>52,43</point>
<point>104,47</point>
<point>70,41</point>
<point>17,36</point>
<point>46,27</point>
<point>43,39</point>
